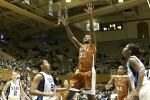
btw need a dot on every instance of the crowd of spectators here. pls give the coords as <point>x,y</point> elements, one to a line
<point>109,55</point>
<point>26,54</point>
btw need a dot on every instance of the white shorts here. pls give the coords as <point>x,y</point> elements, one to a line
<point>13,98</point>
<point>144,93</point>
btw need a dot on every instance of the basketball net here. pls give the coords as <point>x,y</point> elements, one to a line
<point>148,3</point>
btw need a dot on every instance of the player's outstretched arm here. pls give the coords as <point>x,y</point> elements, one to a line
<point>89,11</point>
<point>69,32</point>
<point>110,83</point>
<point>65,88</point>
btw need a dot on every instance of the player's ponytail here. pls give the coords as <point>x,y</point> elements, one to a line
<point>135,50</point>
<point>141,52</point>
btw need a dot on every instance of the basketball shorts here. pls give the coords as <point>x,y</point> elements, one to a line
<point>144,93</point>
<point>84,80</point>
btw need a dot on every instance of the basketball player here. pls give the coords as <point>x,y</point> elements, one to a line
<point>136,72</point>
<point>121,82</point>
<point>85,76</point>
<point>14,89</point>
<point>43,85</point>
<point>64,94</point>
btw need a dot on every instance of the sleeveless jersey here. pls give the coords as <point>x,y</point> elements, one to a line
<point>85,57</point>
<point>14,91</point>
<point>133,75</point>
<point>121,84</point>
<point>46,85</point>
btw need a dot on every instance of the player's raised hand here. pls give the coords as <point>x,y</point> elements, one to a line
<point>63,20</point>
<point>66,83</point>
<point>89,9</point>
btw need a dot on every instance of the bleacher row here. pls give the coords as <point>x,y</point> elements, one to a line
<point>109,55</point>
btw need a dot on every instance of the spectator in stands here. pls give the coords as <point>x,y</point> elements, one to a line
<point>98,96</point>
<point>113,95</point>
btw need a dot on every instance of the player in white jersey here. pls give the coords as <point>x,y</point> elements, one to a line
<point>13,88</point>
<point>136,72</point>
<point>43,85</point>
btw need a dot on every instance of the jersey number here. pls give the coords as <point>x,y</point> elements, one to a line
<point>15,93</point>
<point>82,54</point>
<point>52,87</point>
<point>119,88</point>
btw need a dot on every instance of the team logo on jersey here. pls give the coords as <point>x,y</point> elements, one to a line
<point>50,80</point>
<point>15,88</point>
<point>84,49</point>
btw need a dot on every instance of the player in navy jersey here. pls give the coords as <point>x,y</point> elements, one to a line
<point>43,85</point>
